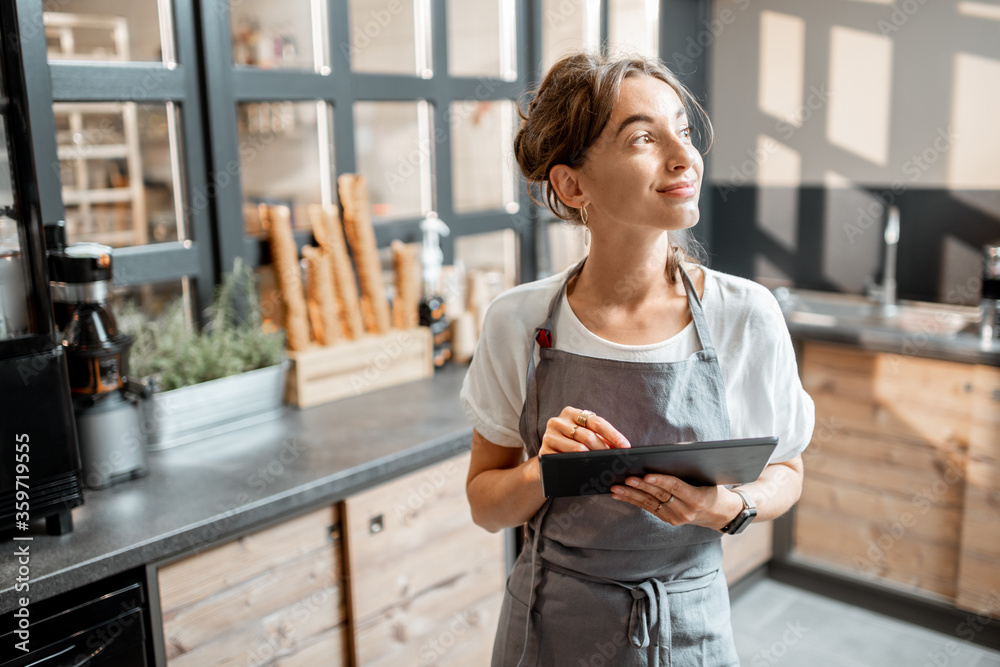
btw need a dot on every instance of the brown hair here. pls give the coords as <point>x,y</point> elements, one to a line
<point>568,111</point>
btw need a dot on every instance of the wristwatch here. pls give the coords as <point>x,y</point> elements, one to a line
<point>742,519</point>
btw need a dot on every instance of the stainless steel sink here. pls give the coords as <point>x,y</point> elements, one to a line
<point>853,312</point>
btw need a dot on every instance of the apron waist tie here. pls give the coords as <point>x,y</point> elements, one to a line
<point>648,598</point>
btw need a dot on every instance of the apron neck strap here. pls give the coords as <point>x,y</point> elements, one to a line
<point>543,334</point>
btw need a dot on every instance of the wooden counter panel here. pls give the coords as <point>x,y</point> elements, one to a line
<point>884,488</point>
<point>425,583</point>
<point>979,566</point>
<point>274,597</point>
<point>742,553</point>
<point>867,550</point>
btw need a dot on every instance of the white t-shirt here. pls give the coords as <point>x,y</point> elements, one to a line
<point>763,391</point>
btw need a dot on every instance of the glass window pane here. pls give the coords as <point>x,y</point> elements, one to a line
<point>390,36</point>
<point>482,162</point>
<point>633,26</point>
<point>108,30</point>
<point>568,26</point>
<point>151,299</point>
<point>394,153</point>
<point>119,163</point>
<point>287,34</point>
<point>285,158</point>
<point>481,38</point>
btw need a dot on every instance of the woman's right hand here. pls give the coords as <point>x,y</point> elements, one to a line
<point>566,434</point>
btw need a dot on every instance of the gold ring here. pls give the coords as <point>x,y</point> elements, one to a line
<point>572,434</point>
<point>582,418</point>
<point>667,502</point>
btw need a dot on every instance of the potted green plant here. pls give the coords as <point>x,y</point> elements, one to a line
<point>230,375</point>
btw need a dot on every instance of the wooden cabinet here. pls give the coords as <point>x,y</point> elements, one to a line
<point>274,597</point>
<point>420,585</point>
<point>885,493</point>
<point>425,584</point>
<point>979,556</point>
<point>743,553</point>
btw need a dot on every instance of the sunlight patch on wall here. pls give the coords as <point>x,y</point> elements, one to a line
<point>975,108</point>
<point>980,10</point>
<point>832,179</point>
<point>778,195</point>
<point>860,93</point>
<point>782,62</point>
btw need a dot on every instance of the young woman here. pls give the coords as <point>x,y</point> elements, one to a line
<point>636,345</point>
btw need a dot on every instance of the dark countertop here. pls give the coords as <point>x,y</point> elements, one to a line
<point>961,348</point>
<point>206,493</point>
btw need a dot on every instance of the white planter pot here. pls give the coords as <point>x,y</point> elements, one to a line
<point>199,411</point>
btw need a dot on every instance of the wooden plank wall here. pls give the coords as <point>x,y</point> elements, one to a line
<point>885,473</point>
<point>272,599</point>
<point>742,553</point>
<point>425,583</point>
<point>979,563</point>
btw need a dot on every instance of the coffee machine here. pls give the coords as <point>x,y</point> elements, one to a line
<point>105,402</point>
<point>39,457</point>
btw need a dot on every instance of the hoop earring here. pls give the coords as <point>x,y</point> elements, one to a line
<point>584,217</point>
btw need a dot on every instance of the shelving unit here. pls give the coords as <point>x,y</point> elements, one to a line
<point>81,149</point>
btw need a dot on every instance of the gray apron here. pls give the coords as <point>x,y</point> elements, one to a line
<point>608,583</point>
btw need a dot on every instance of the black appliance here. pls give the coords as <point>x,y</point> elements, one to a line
<point>104,624</point>
<point>39,456</point>
<point>106,404</point>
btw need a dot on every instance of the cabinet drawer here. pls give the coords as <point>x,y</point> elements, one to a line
<point>425,583</point>
<point>274,597</point>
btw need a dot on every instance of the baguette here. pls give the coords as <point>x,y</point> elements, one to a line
<point>361,237</point>
<point>285,257</point>
<point>330,236</point>
<point>404,309</point>
<point>322,302</point>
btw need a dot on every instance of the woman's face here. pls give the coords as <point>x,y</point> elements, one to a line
<point>643,170</point>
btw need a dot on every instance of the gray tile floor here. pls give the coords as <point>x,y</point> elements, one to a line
<point>776,624</point>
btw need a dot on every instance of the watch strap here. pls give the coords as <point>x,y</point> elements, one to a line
<point>745,516</point>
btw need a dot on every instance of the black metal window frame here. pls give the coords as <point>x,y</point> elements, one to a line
<point>231,85</point>
<point>140,82</point>
<point>208,87</point>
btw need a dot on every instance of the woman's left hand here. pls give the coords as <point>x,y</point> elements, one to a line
<point>678,503</point>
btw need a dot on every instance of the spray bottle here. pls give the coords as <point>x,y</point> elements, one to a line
<point>432,310</point>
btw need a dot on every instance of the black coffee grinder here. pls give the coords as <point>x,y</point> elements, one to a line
<point>105,403</point>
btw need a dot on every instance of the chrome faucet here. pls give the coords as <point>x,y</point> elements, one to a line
<point>886,292</point>
<point>887,298</point>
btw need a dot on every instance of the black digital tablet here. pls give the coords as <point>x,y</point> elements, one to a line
<point>697,463</point>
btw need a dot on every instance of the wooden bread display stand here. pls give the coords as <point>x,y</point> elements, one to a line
<point>349,368</point>
<point>353,347</point>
